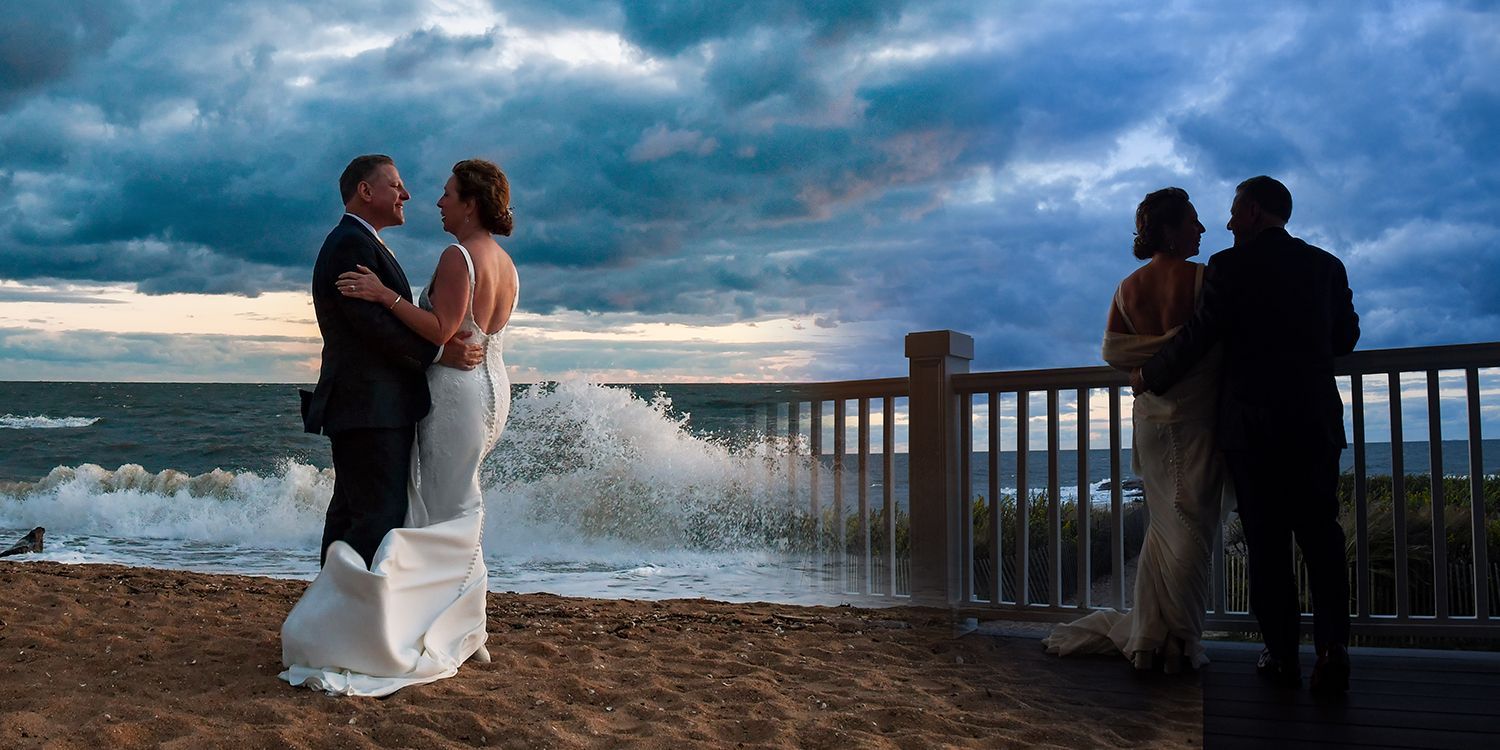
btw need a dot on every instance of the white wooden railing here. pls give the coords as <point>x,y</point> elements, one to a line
<point>932,413</point>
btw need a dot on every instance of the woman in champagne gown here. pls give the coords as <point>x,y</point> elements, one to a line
<point>418,611</point>
<point>1174,453</point>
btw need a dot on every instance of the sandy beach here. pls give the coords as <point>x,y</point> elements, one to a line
<point>111,656</point>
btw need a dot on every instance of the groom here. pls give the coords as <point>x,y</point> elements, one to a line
<point>1283,310</point>
<point>372,388</point>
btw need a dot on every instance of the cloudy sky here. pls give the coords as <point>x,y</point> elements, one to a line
<point>710,190</point>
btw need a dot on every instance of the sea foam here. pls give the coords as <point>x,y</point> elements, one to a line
<point>584,475</point>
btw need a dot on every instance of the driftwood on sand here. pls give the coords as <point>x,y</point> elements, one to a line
<point>32,542</point>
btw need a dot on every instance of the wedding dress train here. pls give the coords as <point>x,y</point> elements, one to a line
<point>1175,454</point>
<point>417,612</point>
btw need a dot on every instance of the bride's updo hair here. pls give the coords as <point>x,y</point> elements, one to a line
<point>1158,213</point>
<point>483,182</point>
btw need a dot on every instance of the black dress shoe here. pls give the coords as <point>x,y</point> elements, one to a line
<point>1279,672</point>
<point>1331,673</point>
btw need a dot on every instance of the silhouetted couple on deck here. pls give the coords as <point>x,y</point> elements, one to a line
<point>1232,367</point>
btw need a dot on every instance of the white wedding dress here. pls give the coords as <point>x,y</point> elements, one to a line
<point>417,612</point>
<point>1175,454</point>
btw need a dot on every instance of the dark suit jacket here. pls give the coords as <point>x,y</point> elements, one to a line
<point>1283,310</point>
<point>373,372</point>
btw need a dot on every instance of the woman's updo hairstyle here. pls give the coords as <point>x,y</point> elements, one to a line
<point>1158,213</point>
<point>483,183</point>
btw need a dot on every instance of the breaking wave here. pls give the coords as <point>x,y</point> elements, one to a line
<point>42,422</point>
<point>585,474</point>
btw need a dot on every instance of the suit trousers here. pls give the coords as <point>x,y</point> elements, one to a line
<point>371,467</point>
<point>1290,491</point>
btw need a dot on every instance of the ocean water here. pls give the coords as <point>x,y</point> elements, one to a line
<point>594,490</point>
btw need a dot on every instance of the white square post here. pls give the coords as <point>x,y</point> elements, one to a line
<point>933,444</point>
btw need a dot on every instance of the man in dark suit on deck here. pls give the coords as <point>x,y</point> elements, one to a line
<point>1284,311</point>
<point>372,388</point>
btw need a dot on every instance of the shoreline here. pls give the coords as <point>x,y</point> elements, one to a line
<point>100,655</point>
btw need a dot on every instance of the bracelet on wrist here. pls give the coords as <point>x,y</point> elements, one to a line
<point>394,302</point>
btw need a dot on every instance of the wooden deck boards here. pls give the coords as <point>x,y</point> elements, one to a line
<point>1398,698</point>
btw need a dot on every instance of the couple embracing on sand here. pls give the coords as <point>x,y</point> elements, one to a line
<point>412,395</point>
<point>1232,366</point>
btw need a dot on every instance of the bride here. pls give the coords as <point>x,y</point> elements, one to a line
<point>1174,453</point>
<point>418,611</point>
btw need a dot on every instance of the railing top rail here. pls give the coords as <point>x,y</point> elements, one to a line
<point>1371,361</point>
<point>1067,377</point>
<point>839,389</point>
<point>1419,358</point>
<point>1412,359</point>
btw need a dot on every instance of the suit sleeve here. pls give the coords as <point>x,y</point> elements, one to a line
<point>1201,332</point>
<point>375,326</point>
<point>1345,320</point>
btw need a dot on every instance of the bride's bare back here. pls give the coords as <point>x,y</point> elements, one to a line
<point>1158,297</point>
<point>495,288</point>
<point>496,285</point>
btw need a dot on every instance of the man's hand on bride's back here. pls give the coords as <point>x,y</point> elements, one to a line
<point>459,354</point>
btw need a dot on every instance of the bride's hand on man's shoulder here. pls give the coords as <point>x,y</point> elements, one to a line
<point>461,355</point>
<point>362,283</point>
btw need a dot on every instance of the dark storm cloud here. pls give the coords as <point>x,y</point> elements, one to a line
<point>209,193</point>
<point>710,289</point>
<point>41,43</point>
<point>240,180</point>
<point>1372,120</point>
<point>938,165</point>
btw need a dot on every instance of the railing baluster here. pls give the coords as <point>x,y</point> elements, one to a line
<point>1477,500</point>
<point>1219,573</point>
<point>770,457</point>
<point>1084,504</point>
<point>996,572</point>
<point>793,440</point>
<point>1398,499</point>
<point>1023,503</point>
<point>1439,516</point>
<point>888,484</point>
<point>1054,505</point>
<point>1117,503</point>
<point>767,427</point>
<point>840,443</point>
<point>863,573</point>
<point>1362,591</point>
<point>965,492</point>
<point>815,447</point>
